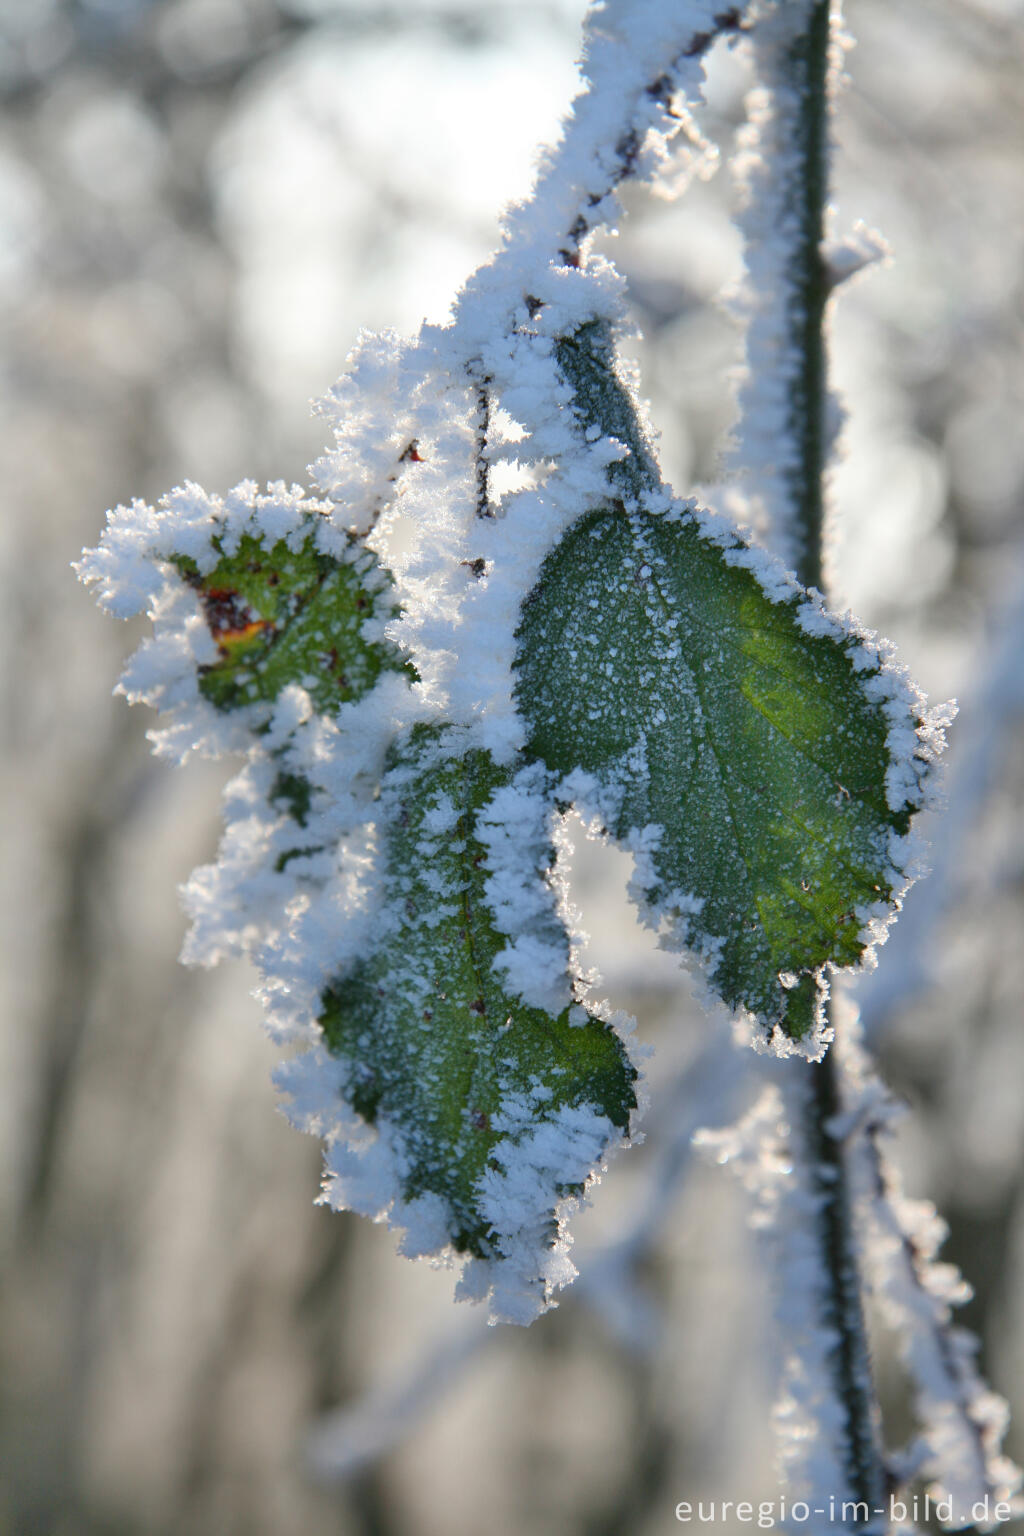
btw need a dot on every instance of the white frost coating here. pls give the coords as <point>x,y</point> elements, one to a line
<point>515,830</point>
<point>516,1197</point>
<point>372,413</point>
<point>962,1422</point>
<point>126,568</point>
<point>274,879</point>
<point>131,573</point>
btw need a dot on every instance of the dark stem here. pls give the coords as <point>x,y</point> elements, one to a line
<point>842,1308</point>
<point>808,393</point>
<point>807,63</point>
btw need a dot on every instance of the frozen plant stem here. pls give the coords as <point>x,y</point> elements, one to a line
<point>818,1101</point>
<point>861,1454</point>
<point>808,64</point>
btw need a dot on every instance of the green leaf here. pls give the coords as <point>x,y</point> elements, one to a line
<point>441,1054</point>
<point>705,709</point>
<point>281,616</point>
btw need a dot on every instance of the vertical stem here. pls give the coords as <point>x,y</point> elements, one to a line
<point>842,1307</point>
<point>803,65</point>
<point>806,66</point>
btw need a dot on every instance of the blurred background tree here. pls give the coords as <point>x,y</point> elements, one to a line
<point>201,202</point>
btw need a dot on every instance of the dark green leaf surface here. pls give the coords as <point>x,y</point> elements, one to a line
<point>283,616</point>
<point>435,1044</point>
<point>649,661</point>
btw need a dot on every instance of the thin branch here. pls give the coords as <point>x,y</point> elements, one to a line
<point>785,442</point>
<point>783,436</point>
<point>962,1421</point>
<point>840,1107</point>
<point>639,84</point>
<point>808,66</point>
<point>842,1307</point>
<point>660,89</point>
<point>804,64</point>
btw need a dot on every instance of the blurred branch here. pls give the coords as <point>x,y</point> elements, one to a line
<point>985,726</point>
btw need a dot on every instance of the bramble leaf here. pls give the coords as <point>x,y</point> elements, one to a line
<point>283,615</point>
<point>738,738</point>
<point>497,1108</point>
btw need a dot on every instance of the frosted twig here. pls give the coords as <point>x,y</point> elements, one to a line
<point>816,1098</point>
<point>786,414</point>
<point>768,1150</point>
<point>962,1421</point>
<point>826,1414</point>
<point>644,62</point>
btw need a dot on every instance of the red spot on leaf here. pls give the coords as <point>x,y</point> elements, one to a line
<point>230,617</point>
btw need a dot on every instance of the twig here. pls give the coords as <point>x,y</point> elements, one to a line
<point>785,442</point>
<point>962,1421</point>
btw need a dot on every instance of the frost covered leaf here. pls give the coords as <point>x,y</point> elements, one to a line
<point>283,614</point>
<point>497,1090</point>
<point>759,749</point>
<point>268,640</point>
<point>285,598</point>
